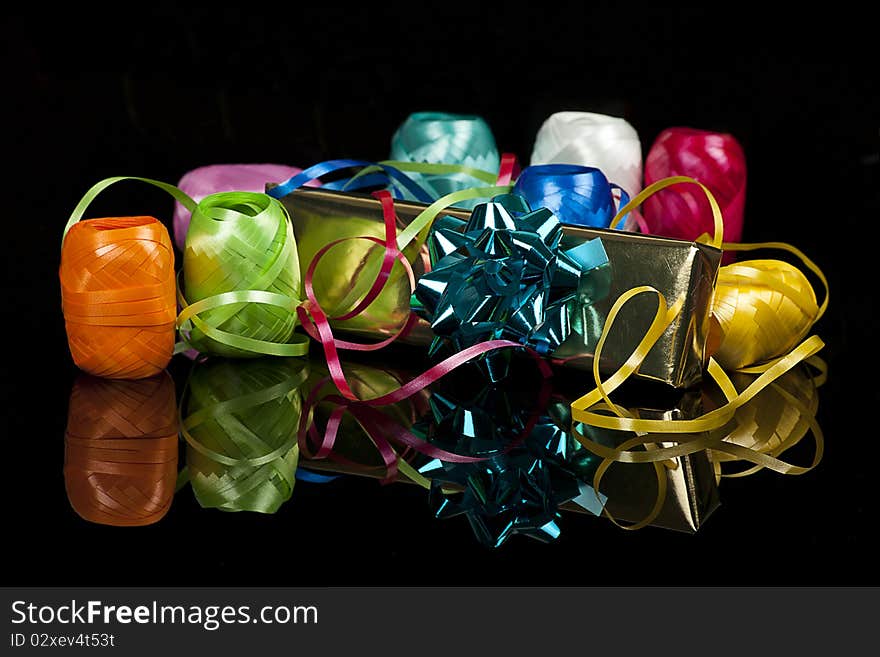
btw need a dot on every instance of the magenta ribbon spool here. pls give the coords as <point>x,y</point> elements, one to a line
<point>715,159</point>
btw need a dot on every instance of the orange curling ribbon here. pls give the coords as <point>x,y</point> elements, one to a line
<point>120,457</point>
<point>750,338</point>
<point>118,293</point>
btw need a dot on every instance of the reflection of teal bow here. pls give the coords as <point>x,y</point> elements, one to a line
<point>529,471</point>
<point>502,275</point>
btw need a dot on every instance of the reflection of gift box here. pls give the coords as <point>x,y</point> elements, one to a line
<point>631,489</point>
<point>674,267</point>
<point>691,490</point>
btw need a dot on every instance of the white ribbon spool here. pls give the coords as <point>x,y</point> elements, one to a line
<point>608,143</point>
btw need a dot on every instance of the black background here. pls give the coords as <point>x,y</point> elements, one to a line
<point>156,92</point>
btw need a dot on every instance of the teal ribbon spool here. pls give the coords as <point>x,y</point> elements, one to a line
<point>443,138</point>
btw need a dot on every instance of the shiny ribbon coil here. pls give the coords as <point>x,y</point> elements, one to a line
<point>607,143</point>
<point>762,309</point>
<point>716,160</point>
<point>207,180</point>
<point>239,421</point>
<point>502,275</point>
<point>117,294</point>
<point>579,196</point>
<point>242,281</point>
<point>120,449</point>
<point>442,138</point>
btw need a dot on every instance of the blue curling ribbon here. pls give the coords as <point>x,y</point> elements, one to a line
<point>502,275</point>
<point>578,195</point>
<point>330,166</point>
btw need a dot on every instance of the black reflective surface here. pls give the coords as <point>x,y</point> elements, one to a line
<point>163,96</point>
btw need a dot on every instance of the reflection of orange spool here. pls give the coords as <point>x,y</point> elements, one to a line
<point>120,459</point>
<point>118,295</point>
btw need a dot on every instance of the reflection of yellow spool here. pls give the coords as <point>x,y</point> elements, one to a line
<point>777,419</point>
<point>763,309</point>
<point>240,423</point>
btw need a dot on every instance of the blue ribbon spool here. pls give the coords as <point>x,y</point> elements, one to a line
<point>578,195</point>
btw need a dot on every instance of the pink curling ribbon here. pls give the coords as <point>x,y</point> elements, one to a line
<point>714,159</point>
<point>508,169</point>
<point>202,182</point>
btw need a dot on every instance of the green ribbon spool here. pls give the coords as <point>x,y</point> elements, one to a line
<point>240,420</point>
<point>242,280</point>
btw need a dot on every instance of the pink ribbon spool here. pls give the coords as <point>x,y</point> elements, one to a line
<point>714,159</point>
<point>206,180</point>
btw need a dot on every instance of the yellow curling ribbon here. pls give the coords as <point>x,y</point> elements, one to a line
<point>771,287</point>
<point>715,240</point>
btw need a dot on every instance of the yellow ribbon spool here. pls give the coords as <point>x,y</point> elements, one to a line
<point>763,308</point>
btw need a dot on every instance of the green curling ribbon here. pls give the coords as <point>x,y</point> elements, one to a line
<point>239,420</point>
<point>443,138</point>
<point>242,281</point>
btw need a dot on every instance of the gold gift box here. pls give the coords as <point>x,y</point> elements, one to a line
<point>674,267</point>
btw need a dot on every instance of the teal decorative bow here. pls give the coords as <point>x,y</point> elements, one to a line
<point>502,274</point>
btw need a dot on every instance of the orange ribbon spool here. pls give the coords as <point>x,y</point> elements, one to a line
<point>120,450</point>
<point>118,296</point>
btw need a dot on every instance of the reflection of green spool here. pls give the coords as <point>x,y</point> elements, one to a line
<point>240,423</point>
